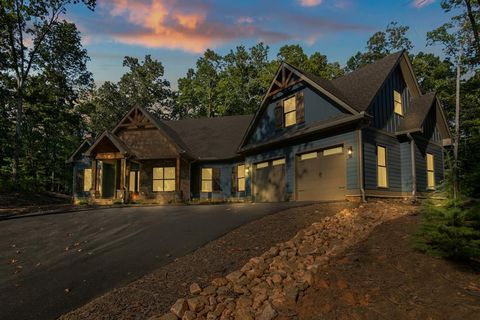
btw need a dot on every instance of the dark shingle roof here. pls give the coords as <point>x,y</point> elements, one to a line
<point>419,108</point>
<point>210,138</point>
<point>360,86</point>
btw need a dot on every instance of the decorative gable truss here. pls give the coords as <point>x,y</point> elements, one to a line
<point>285,78</point>
<point>136,119</point>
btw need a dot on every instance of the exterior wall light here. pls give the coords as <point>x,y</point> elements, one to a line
<point>350,151</point>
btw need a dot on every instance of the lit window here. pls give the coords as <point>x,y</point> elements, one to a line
<point>241,177</point>
<point>382,167</point>
<point>310,155</point>
<point>262,165</point>
<point>278,162</point>
<point>332,151</point>
<point>397,100</point>
<point>207,179</point>
<point>430,172</point>
<point>290,111</point>
<point>164,179</point>
<point>87,179</point>
<point>134,181</point>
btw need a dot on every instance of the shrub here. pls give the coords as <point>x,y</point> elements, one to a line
<point>450,231</point>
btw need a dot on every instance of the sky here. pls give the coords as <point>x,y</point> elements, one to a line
<point>177,32</point>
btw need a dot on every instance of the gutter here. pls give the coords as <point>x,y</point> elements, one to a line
<point>414,169</point>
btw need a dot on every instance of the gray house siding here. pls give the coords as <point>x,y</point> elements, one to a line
<point>382,107</point>
<point>347,139</point>
<point>406,166</point>
<point>79,166</point>
<point>422,148</point>
<point>317,108</point>
<point>371,139</point>
<point>226,176</point>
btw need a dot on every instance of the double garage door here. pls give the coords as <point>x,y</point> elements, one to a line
<point>319,175</point>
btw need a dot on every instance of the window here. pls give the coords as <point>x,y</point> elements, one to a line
<point>430,171</point>
<point>207,179</point>
<point>87,179</point>
<point>262,165</point>
<point>398,105</point>
<point>164,179</point>
<point>241,177</point>
<point>134,181</point>
<point>332,151</point>
<point>382,167</point>
<point>278,162</point>
<point>289,111</point>
<point>310,155</point>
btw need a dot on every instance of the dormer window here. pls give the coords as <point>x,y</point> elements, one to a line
<point>397,102</point>
<point>289,111</point>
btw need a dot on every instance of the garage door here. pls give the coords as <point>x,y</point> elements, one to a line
<point>269,183</point>
<point>320,175</point>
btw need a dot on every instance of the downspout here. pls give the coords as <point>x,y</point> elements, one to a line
<point>414,169</point>
<point>360,160</point>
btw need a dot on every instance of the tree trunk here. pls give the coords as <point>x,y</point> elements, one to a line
<point>457,131</point>
<point>18,137</point>
<point>473,23</point>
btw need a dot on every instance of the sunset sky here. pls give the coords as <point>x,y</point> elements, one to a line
<point>176,32</point>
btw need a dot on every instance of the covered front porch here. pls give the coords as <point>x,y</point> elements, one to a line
<point>119,175</point>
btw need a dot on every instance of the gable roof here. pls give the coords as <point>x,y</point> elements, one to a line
<point>417,112</point>
<point>85,145</point>
<point>362,85</point>
<point>113,139</point>
<point>159,124</point>
<point>210,138</point>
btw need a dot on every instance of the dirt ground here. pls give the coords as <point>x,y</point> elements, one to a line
<point>155,293</point>
<point>12,204</point>
<point>384,278</point>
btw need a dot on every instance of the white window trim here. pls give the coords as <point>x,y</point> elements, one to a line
<point>397,102</point>
<point>163,179</point>
<point>431,187</point>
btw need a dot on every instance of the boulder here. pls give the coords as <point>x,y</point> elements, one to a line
<point>195,288</point>
<point>268,313</point>
<point>189,315</point>
<point>234,276</point>
<point>179,307</point>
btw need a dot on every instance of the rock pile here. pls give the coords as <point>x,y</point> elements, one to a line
<point>271,283</point>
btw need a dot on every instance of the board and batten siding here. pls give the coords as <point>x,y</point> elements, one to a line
<point>347,139</point>
<point>317,108</point>
<point>371,139</point>
<point>406,166</point>
<point>382,106</point>
<point>422,147</point>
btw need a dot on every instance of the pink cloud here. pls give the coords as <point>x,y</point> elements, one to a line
<point>309,3</point>
<point>166,24</point>
<point>422,3</point>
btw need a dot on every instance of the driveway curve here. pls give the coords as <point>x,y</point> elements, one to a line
<point>55,263</point>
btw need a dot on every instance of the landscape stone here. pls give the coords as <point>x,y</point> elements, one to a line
<point>179,308</point>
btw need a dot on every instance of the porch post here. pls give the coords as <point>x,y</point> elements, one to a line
<point>177,178</point>
<point>93,189</point>
<point>123,166</point>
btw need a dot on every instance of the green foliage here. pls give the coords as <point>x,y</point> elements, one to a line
<point>450,231</point>
<point>236,83</point>
<point>143,84</point>
<point>381,44</point>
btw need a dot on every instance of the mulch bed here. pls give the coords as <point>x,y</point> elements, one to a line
<point>384,278</point>
<point>155,293</point>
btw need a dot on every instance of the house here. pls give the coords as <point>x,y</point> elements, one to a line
<point>370,133</point>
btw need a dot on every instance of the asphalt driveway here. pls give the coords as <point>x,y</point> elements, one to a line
<point>54,263</point>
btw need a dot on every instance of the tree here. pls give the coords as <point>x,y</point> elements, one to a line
<point>381,44</point>
<point>144,84</point>
<point>33,20</point>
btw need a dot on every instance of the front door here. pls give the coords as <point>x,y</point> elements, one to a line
<point>108,180</point>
